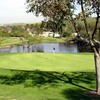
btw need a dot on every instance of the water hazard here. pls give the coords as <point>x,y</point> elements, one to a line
<point>43,47</point>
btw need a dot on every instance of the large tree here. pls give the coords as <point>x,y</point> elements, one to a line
<point>93,7</point>
<point>58,11</point>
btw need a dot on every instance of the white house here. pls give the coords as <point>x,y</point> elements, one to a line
<point>48,33</point>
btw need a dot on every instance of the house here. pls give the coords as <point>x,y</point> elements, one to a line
<point>48,33</point>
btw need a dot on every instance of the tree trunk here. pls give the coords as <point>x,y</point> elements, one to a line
<point>97,67</point>
<point>53,35</point>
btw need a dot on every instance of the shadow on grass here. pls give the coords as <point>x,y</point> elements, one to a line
<point>79,94</point>
<point>39,78</point>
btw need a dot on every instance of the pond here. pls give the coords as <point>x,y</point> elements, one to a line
<point>43,47</point>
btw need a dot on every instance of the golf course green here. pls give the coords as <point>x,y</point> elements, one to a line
<point>47,61</point>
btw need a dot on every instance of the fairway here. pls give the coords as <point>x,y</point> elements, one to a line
<point>47,76</point>
<point>47,61</point>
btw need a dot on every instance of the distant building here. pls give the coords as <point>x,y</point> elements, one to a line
<point>48,33</point>
<point>29,31</point>
<point>74,34</point>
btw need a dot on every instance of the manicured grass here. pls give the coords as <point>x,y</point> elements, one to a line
<point>47,76</point>
<point>47,61</point>
<point>46,85</point>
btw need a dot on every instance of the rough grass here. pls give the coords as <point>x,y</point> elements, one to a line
<point>47,76</point>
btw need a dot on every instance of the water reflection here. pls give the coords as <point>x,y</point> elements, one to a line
<point>43,47</point>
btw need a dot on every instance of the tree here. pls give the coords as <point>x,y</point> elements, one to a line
<point>53,27</point>
<point>35,28</point>
<point>53,11</point>
<point>58,11</point>
<point>94,7</point>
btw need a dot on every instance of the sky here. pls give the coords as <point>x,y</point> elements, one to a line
<point>14,11</point>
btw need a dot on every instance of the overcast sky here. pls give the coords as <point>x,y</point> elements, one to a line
<point>14,11</point>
